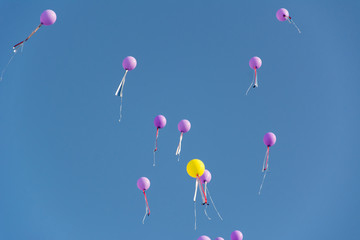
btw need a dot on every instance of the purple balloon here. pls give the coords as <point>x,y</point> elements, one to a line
<point>206,177</point>
<point>143,183</point>
<point>255,62</point>
<point>282,14</point>
<point>160,121</point>
<point>203,237</point>
<point>219,238</point>
<point>269,139</point>
<point>129,63</point>
<point>184,126</point>
<point>236,235</point>
<point>48,17</point>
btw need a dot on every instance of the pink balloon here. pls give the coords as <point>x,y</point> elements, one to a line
<point>48,17</point>
<point>143,183</point>
<point>206,177</point>
<point>184,126</point>
<point>255,62</point>
<point>282,14</point>
<point>236,235</point>
<point>269,139</point>
<point>203,237</point>
<point>129,63</point>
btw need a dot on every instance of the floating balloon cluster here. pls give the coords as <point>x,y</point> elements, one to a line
<point>195,168</point>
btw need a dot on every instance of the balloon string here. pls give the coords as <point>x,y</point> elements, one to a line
<point>16,46</point>
<point>196,188</point>
<point>195,214</point>
<point>264,162</point>
<point>267,158</point>
<point>255,81</point>
<point>262,183</point>
<point>147,204</point>
<point>157,135</point>
<point>202,195</point>
<point>119,92</point>
<point>120,111</point>
<point>178,150</point>
<point>206,214</point>
<point>251,84</point>
<point>6,66</point>
<point>292,21</point>
<point>208,192</point>
<point>202,189</point>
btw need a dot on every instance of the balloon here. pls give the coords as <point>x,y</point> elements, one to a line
<point>254,63</point>
<point>143,183</point>
<point>206,177</point>
<point>195,168</point>
<point>160,121</point>
<point>203,237</point>
<point>219,238</point>
<point>48,17</point>
<point>282,14</point>
<point>269,139</point>
<point>184,126</point>
<point>129,63</point>
<point>236,235</point>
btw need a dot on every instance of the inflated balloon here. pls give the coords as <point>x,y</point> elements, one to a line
<point>129,63</point>
<point>269,140</point>
<point>183,126</point>
<point>196,168</point>
<point>203,237</point>
<point>48,17</point>
<point>254,63</point>
<point>143,184</point>
<point>159,122</point>
<point>283,15</point>
<point>236,235</point>
<point>205,179</point>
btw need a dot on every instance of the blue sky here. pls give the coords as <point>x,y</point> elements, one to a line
<point>68,169</point>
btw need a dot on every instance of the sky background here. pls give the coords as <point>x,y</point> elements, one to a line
<point>68,168</point>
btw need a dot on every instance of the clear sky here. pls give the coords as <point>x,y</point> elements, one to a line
<point>68,168</point>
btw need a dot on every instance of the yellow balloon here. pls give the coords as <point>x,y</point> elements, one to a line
<point>195,168</point>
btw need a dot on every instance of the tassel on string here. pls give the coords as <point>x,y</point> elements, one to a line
<point>147,210</point>
<point>292,21</point>
<point>196,188</point>
<point>21,44</point>
<point>255,81</point>
<point>208,192</point>
<point>203,192</point>
<point>178,150</point>
<point>119,92</point>
<point>157,135</point>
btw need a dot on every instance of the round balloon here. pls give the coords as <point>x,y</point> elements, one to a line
<point>269,139</point>
<point>129,63</point>
<point>282,14</point>
<point>160,121</point>
<point>48,17</point>
<point>236,235</point>
<point>184,125</point>
<point>195,168</point>
<point>255,63</point>
<point>143,183</point>
<point>203,237</point>
<point>206,177</point>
